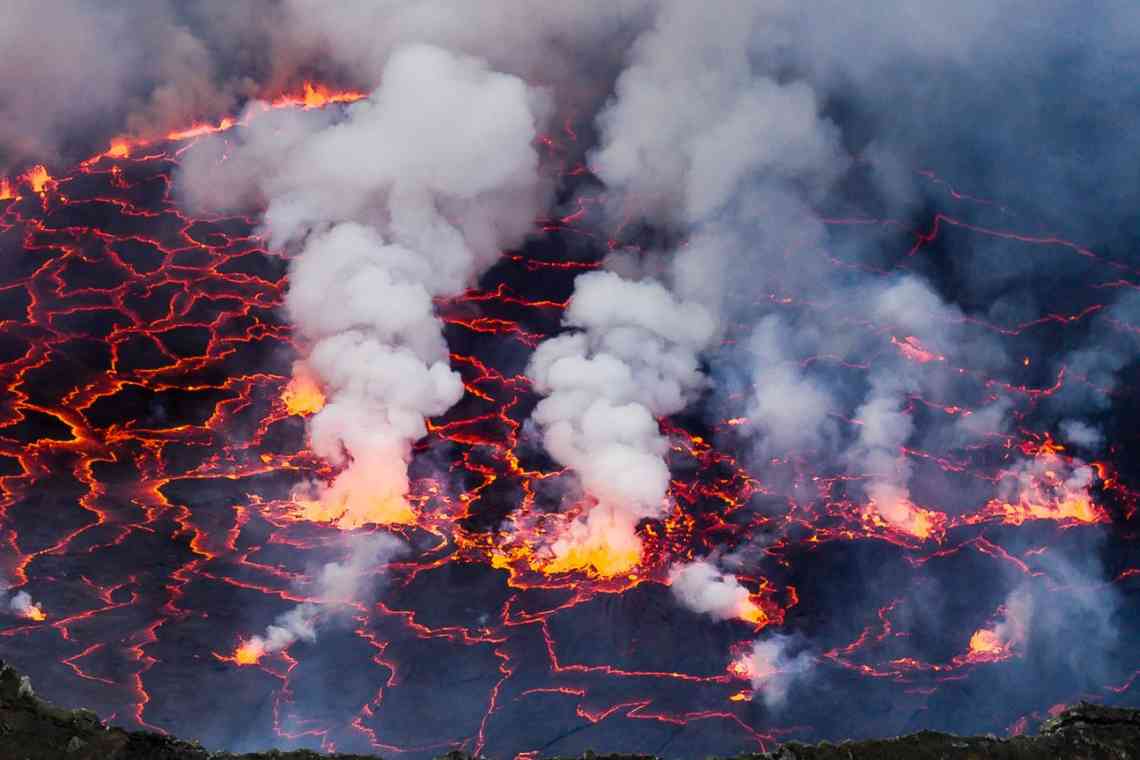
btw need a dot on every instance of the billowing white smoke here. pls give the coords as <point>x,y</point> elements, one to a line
<point>21,603</point>
<point>773,670</point>
<point>631,358</point>
<point>337,584</point>
<point>704,589</point>
<point>408,198</point>
<point>662,147</point>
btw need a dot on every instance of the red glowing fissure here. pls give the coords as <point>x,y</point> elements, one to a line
<point>173,279</point>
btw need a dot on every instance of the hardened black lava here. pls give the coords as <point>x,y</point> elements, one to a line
<point>148,448</point>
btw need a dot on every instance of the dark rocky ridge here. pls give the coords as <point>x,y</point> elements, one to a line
<point>31,729</point>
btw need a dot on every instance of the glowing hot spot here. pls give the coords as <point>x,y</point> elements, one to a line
<point>120,148</point>
<point>6,192</point>
<point>912,349</point>
<point>595,557</point>
<point>744,667</point>
<point>317,96</point>
<point>986,644</point>
<point>905,517</point>
<point>1047,487</point>
<point>38,179</point>
<point>34,612</point>
<point>752,613</point>
<point>303,395</point>
<point>249,652</point>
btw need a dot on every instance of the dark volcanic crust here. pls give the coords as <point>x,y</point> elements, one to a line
<point>31,729</point>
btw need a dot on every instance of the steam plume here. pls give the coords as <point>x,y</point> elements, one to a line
<point>773,670</point>
<point>338,583</point>
<point>390,207</point>
<point>632,358</point>
<point>701,587</point>
<point>20,603</point>
<point>1012,631</point>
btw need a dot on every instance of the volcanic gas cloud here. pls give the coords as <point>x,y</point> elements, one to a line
<point>524,377</point>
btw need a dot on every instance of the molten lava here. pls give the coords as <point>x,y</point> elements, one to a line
<point>912,348</point>
<point>1049,486</point>
<point>985,645</point>
<point>752,612</point>
<point>604,544</point>
<point>303,395</point>
<point>156,493</point>
<point>34,612</point>
<point>316,96</point>
<point>905,517</point>
<point>38,179</point>
<point>248,653</point>
<point>595,556</point>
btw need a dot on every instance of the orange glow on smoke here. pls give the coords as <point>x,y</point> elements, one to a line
<point>912,349</point>
<point>746,666</point>
<point>6,192</point>
<point>904,517</point>
<point>741,667</point>
<point>198,130</point>
<point>1076,509</point>
<point>752,613</point>
<point>311,96</point>
<point>924,524</point>
<point>303,395</point>
<point>1048,489</point>
<point>34,612</point>
<point>38,179</point>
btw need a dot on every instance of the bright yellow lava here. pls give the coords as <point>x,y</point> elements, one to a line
<point>375,512</point>
<point>249,653</point>
<point>985,642</point>
<point>34,612</point>
<point>38,178</point>
<point>303,396</point>
<point>751,612</point>
<point>603,559</point>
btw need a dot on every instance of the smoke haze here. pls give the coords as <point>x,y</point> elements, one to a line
<point>870,271</point>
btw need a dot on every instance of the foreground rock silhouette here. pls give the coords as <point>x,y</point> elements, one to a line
<point>31,729</point>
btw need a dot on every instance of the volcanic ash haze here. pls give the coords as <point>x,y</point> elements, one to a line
<point>720,372</point>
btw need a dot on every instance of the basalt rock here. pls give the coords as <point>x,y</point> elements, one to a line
<point>31,729</point>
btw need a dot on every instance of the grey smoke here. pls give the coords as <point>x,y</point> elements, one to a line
<point>773,670</point>
<point>351,581</point>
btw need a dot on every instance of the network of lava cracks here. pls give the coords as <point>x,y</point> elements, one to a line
<point>150,436</point>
